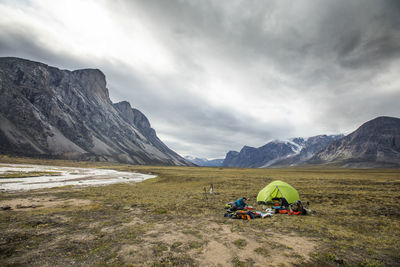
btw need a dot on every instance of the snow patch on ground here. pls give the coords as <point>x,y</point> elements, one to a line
<point>67,176</point>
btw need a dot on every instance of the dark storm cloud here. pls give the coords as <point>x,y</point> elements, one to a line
<point>302,39</point>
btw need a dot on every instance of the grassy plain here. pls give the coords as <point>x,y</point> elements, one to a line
<point>171,221</point>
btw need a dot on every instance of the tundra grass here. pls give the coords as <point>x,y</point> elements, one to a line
<point>356,219</point>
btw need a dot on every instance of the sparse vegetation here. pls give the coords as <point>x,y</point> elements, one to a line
<point>176,245</point>
<point>195,244</point>
<point>262,251</point>
<point>170,221</point>
<point>240,243</point>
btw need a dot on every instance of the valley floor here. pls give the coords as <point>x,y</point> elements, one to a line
<point>171,221</point>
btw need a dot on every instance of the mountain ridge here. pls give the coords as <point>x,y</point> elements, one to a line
<point>376,143</point>
<point>48,112</point>
<point>277,153</point>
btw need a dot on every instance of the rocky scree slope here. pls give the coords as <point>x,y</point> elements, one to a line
<point>48,112</point>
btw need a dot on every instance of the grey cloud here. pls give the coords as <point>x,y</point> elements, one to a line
<point>19,42</point>
<point>350,112</point>
<point>283,34</point>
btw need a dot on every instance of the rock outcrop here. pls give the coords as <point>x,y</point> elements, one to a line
<point>48,112</point>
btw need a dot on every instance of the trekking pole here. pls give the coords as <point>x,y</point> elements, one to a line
<point>280,191</point>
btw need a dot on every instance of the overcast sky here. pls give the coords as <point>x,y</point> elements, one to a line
<point>213,76</point>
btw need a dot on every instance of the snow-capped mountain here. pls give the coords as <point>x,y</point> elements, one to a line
<point>294,151</point>
<point>308,148</point>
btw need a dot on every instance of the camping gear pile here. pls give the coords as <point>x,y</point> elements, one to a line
<point>284,198</point>
<point>246,213</point>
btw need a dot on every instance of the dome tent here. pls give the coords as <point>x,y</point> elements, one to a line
<point>278,189</point>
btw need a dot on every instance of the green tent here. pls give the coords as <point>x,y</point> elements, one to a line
<point>278,189</point>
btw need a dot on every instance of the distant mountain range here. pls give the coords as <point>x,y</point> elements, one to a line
<point>375,144</point>
<point>205,162</point>
<point>48,112</point>
<point>295,151</point>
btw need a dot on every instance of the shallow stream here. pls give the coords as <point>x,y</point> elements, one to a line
<point>55,176</point>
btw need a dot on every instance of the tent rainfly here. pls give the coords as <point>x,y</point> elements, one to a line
<point>278,189</point>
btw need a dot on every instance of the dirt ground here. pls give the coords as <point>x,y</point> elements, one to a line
<point>214,244</point>
<point>185,242</point>
<point>30,203</point>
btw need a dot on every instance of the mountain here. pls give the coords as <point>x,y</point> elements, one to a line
<point>309,147</point>
<point>250,157</point>
<point>205,162</point>
<point>376,143</point>
<point>294,151</point>
<point>48,112</point>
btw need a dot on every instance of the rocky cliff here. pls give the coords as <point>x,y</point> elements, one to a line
<point>376,143</point>
<point>48,112</point>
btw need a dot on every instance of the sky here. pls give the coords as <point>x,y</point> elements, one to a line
<point>213,76</point>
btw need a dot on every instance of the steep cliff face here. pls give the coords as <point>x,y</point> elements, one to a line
<point>56,113</point>
<point>376,143</point>
<point>137,118</point>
